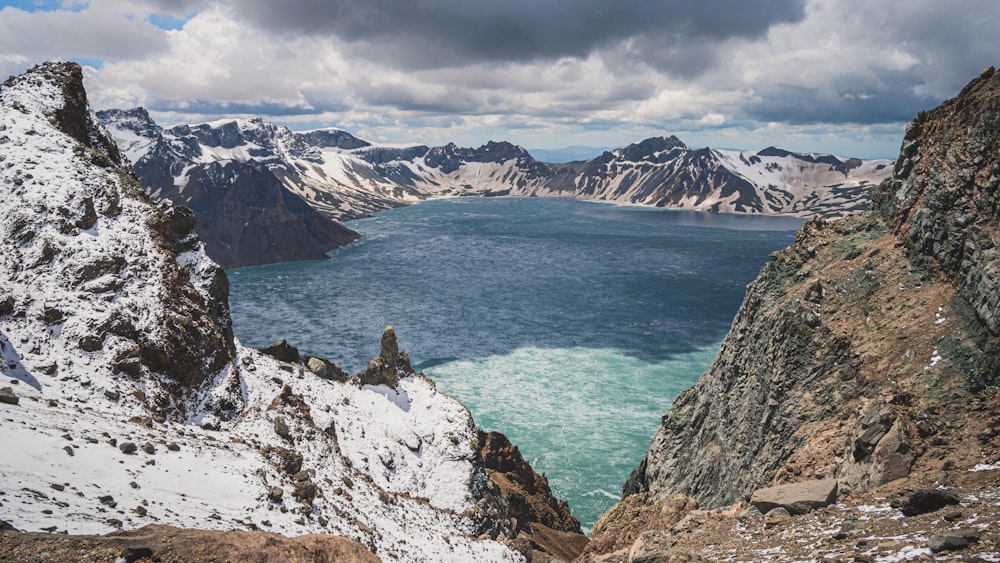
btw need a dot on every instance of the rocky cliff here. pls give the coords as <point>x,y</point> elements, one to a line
<point>94,278</point>
<point>866,351</point>
<point>126,401</point>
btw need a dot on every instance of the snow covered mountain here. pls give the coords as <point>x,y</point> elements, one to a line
<point>227,176</point>
<point>126,400</point>
<point>664,172</point>
<point>345,177</point>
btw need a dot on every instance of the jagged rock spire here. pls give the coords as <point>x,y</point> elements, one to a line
<point>389,365</point>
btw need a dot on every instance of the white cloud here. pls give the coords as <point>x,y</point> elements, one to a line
<point>102,30</point>
<point>828,77</point>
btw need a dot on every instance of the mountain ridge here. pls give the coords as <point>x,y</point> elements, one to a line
<point>344,177</point>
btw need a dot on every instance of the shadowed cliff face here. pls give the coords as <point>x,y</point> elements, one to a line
<point>252,219</point>
<point>246,215</point>
<point>540,519</point>
<point>855,345</point>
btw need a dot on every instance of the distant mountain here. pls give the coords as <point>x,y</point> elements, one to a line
<point>664,172</point>
<point>232,170</point>
<point>224,173</point>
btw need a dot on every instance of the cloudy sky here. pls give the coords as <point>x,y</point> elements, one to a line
<point>840,76</point>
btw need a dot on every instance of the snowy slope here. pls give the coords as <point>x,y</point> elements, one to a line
<point>664,172</point>
<point>114,331</point>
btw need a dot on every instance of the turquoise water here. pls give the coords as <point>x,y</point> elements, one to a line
<point>569,326</point>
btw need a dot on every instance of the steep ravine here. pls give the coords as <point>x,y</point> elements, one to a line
<point>868,352</point>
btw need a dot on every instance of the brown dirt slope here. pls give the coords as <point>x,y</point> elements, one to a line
<point>165,544</point>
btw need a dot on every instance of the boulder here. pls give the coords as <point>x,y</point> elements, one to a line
<point>281,429</point>
<point>325,369</point>
<point>8,397</point>
<point>275,494</point>
<point>776,516</point>
<point>796,498</point>
<point>953,540</point>
<point>927,500</point>
<point>6,306</point>
<point>282,351</point>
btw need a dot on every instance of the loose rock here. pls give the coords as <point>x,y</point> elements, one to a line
<point>283,351</point>
<point>8,397</point>
<point>951,541</point>
<point>796,498</point>
<point>776,516</point>
<point>927,500</point>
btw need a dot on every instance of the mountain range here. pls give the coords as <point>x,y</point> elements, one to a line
<point>248,179</point>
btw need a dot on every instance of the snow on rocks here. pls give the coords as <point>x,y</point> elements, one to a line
<point>134,405</point>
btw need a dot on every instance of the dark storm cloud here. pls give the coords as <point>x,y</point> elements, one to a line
<point>433,33</point>
<point>892,102</point>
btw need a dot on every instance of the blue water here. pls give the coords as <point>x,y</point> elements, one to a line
<point>569,326</point>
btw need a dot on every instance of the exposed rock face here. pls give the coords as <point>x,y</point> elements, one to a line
<point>856,340</point>
<point>389,365</point>
<point>542,519</point>
<point>943,204</point>
<point>167,544</point>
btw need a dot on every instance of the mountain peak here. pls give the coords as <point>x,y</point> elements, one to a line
<point>56,90</point>
<point>942,199</point>
<point>110,287</point>
<point>651,149</point>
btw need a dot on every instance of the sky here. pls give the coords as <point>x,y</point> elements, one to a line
<point>837,76</point>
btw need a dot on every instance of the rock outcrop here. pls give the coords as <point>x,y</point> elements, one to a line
<point>864,351</point>
<point>618,529</point>
<point>101,278</point>
<point>539,517</point>
<point>389,366</point>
